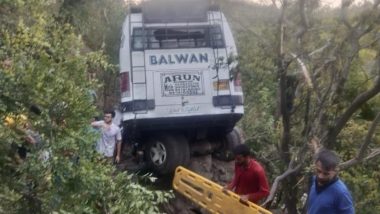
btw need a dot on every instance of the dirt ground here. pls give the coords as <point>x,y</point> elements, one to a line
<point>220,172</point>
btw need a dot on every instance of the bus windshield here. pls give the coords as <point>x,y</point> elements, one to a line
<point>177,37</point>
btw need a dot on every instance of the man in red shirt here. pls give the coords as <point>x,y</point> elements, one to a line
<point>249,179</point>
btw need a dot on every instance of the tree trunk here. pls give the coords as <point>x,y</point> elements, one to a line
<point>291,194</point>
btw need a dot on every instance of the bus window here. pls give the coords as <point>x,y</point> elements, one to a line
<point>198,36</point>
<point>176,37</point>
<point>216,37</point>
<point>153,43</point>
<point>169,43</point>
<point>186,43</point>
<point>139,39</point>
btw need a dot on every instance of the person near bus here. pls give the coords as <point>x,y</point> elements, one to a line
<point>249,181</point>
<point>110,137</point>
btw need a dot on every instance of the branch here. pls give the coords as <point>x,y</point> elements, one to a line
<point>276,182</point>
<point>316,73</point>
<point>356,32</point>
<point>304,21</point>
<point>362,98</point>
<point>282,70</point>
<point>357,103</point>
<point>322,104</point>
<point>315,145</point>
<point>343,14</point>
<point>106,16</point>
<point>369,136</point>
<point>319,50</point>
<point>371,43</point>
<point>363,25</point>
<point>300,158</point>
<point>375,153</point>
<point>304,70</point>
<point>363,148</point>
<point>353,39</point>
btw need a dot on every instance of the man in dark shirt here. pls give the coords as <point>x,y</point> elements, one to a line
<point>249,180</point>
<point>328,194</point>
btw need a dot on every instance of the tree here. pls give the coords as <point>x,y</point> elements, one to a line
<point>325,65</point>
<point>100,23</point>
<point>44,79</point>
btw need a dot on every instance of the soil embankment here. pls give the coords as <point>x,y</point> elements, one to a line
<point>220,172</point>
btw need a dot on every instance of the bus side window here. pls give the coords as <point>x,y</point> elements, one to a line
<point>200,43</point>
<point>169,43</point>
<point>186,43</point>
<point>216,37</point>
<point>153,43</point>
<point>122,40</point>
<point>198,36</point>
<point>138,39</point>
<point>167,38</point>
<point>138,43</point>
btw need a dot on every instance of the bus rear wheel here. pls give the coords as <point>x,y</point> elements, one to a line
<point>229,142</point>
<point>167,151</point>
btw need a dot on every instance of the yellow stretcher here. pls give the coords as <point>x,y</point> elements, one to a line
<point>212,196</point>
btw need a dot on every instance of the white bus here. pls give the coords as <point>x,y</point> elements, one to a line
<point>178,79</point>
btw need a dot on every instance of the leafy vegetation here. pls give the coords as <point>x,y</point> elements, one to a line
<point>99,22</point>
<point>43,65</point>
<point>310,74</point>
<point>304,68</point>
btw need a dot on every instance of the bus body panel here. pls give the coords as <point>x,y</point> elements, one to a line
<point>178,82</point>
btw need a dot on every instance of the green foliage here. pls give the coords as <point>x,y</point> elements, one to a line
<point>257,70</point>
<point>99,22</point>
<point>257,35</point>
<point>251,31</point>
<point>42,63</point>
<point>362,180</point>
<point>259,88</point>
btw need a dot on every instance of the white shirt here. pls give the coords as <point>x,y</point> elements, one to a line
<point>110,135</point>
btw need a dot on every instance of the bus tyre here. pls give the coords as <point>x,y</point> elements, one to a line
<point>165,152</point>
<point>185,149</point>
<point>232,139</point>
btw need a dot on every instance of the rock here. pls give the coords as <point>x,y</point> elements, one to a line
<point>180,205</point>
<point>201,165</point>
<point>201,148</point>
<point>217,171</point>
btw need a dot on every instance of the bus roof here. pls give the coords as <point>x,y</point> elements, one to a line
<point>174,11</point>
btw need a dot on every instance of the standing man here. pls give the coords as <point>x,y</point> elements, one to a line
<point>249,180</point>
<point>328,194</point>
<point>111,137</point>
